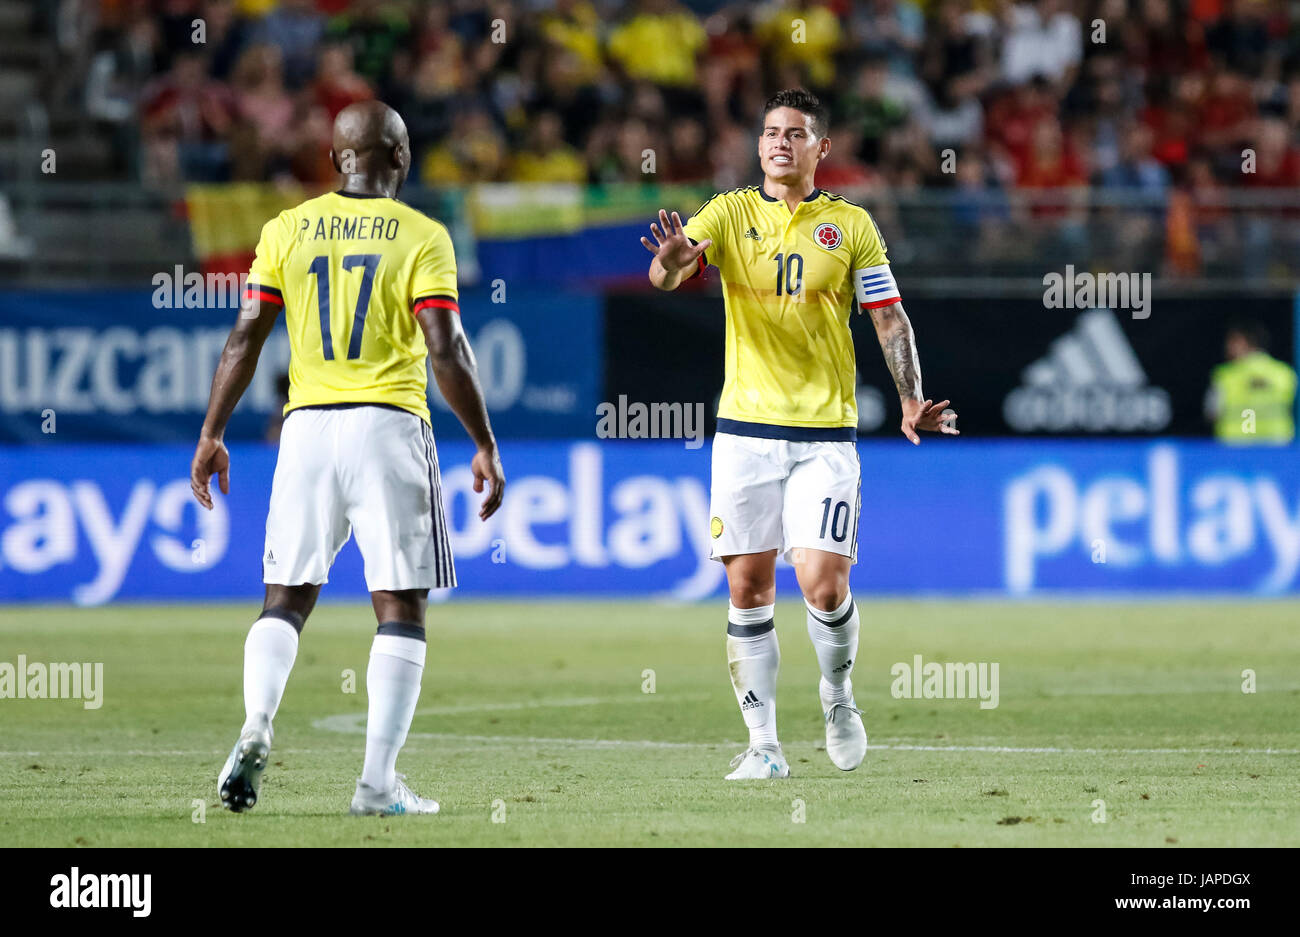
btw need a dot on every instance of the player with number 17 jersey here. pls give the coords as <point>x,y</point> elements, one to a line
<point>352,271</point>
<point>367,286</point>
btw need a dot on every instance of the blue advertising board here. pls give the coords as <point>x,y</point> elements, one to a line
<point>93,524</point>
<point>137,364</point>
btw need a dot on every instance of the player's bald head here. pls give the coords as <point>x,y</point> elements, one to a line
<point>368,125</point>
<point>374,135</point>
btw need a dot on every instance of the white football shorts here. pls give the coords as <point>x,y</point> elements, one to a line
<point>366,470</point>
<point>777,494</point>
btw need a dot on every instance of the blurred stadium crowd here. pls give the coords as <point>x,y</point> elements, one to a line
<point>1024,94</point>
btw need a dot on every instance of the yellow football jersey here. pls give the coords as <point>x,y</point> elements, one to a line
<point>789,281</point>
<point>351,272</point>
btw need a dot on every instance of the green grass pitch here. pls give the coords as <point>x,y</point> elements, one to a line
<point>534,729</point>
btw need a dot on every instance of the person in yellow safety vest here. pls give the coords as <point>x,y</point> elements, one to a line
<point>1252,394</point>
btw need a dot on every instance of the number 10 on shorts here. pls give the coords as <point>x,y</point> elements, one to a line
<point>838,520</point>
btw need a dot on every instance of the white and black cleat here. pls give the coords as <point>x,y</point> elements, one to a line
<point>242,776</point>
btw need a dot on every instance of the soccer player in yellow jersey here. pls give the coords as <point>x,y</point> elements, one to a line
<point>368,288</point>
<point>785,469</point>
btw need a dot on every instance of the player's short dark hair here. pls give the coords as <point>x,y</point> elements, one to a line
<point>1252,331</point>
<point>804,101</point>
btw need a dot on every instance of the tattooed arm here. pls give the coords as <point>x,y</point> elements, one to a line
<point>894,331</point>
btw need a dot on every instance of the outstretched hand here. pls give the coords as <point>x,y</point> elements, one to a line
<point>672,247</point>
<point>928,416</point>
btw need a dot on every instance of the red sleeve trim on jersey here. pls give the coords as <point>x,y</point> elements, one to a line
<point>435,302</point>
<point>700,262</point>
<point>882,302</point>
<point>268,294</point>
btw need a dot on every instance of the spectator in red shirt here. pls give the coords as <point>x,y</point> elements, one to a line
<point>1013,118</point>
<point>263,104</point>
<point>1053,170</point>
<point>337,84</point>
<point>1277,161</point>
<point>1170,118</point>
<point>1226,112</point>
<point>1051,163</point>
<point>1158,40</point>
<point>185,118</point>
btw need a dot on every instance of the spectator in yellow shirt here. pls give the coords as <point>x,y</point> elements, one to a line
<point>574,26</point>
<point>659,44</point>
<point>548,158</point>
<point>806,35</point>
<point>473,152</point>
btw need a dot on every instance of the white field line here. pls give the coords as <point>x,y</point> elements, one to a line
<point>355,724</point>
<point>1232,685</point>
<point>1053,750</point>
<point>548,703</point>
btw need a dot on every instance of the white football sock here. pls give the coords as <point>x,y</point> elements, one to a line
<point>754,658</point>
<point>393,686</point>
<point>835,638</point>
<point>269,652</point>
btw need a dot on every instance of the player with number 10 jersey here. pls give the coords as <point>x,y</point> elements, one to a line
<point>786,477</point>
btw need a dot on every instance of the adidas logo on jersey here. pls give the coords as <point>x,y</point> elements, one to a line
<point>751,701</point>
<point>753,234</point>
<point>1090,380</point>
<point>270,558</point>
